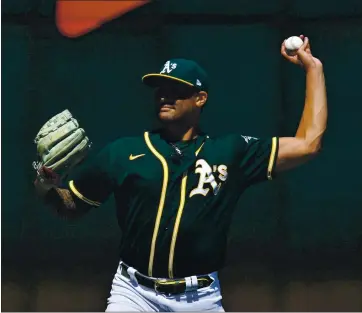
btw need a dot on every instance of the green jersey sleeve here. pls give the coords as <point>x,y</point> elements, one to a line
<point>95,181</point>
<point>256,158</point>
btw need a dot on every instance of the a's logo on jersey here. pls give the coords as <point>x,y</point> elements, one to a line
<point>248,138</point>
<point>168,67</point>
<point>208,178</point>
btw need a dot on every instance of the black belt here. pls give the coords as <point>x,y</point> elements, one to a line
<point>169,286</point>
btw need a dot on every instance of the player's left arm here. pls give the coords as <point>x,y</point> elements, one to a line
<point>294,151</point>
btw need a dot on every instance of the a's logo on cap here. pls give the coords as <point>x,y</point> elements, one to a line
<point>168,67</point>
<point>198,83</point>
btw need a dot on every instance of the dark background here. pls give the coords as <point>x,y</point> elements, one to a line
<point>295,243</point>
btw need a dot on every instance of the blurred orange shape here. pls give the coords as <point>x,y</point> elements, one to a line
<point>77,18</point>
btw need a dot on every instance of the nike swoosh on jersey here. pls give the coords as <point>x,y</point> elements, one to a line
<point>134,157</point>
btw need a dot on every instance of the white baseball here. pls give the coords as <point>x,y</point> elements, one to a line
<point>293,43</point>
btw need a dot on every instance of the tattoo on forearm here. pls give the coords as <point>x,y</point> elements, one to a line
<point>65,204</point>
<point>67,198</point>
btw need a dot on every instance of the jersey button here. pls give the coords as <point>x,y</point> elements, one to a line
<point>166,228</point>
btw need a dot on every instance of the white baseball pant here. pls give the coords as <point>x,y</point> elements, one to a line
<point>128,295</point>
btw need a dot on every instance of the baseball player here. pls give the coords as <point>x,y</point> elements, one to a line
<point>175,187</point>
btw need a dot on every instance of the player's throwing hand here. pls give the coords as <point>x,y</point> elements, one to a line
<point>303,55</point>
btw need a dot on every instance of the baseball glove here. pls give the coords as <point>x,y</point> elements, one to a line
<point>61,145</point>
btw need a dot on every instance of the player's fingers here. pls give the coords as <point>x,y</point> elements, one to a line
<point>282,47</point>
<point>302,53</point>
<point>293,59</point>
<point>47,172</point>
<point>283,50</point>
<point>305,44</point>
<point>290,58</point>
<point>308,47</point>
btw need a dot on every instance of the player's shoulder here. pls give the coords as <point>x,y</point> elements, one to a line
<point>125,141</point>
<point>123,144</point>
<point>235,137</point>
<point>232,142</point>
<point>230,138</point>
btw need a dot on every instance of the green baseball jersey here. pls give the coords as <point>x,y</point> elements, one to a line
<point>175,201</point>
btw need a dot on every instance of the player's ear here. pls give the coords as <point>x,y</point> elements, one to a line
<point>201,99</point>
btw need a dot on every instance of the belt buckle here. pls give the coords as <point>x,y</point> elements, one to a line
<point>157,284</point>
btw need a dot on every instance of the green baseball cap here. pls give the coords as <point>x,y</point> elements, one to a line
<point>180,70</point>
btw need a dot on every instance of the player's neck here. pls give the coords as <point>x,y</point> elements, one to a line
<point>179,133</point>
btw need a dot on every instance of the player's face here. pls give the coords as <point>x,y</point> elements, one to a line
<point>175,102</point>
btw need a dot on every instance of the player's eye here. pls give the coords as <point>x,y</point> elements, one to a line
<point>174,93</point>
<point>185,93</point>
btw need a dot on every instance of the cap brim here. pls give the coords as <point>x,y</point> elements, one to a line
<point>155,80</point>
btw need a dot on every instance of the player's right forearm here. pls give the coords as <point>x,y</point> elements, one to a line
<point>314,119</point>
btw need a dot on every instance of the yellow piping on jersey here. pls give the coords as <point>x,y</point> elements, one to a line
<point>199,149</point>
<point>178,219</point>
<point>80,196</point>
<point>177,225</point>
<point>272,158</point>
<point>161,204</point>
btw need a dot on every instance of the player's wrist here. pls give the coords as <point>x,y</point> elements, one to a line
<point>42,188</point>
<point>46,179</point>
<point>314,69</point>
